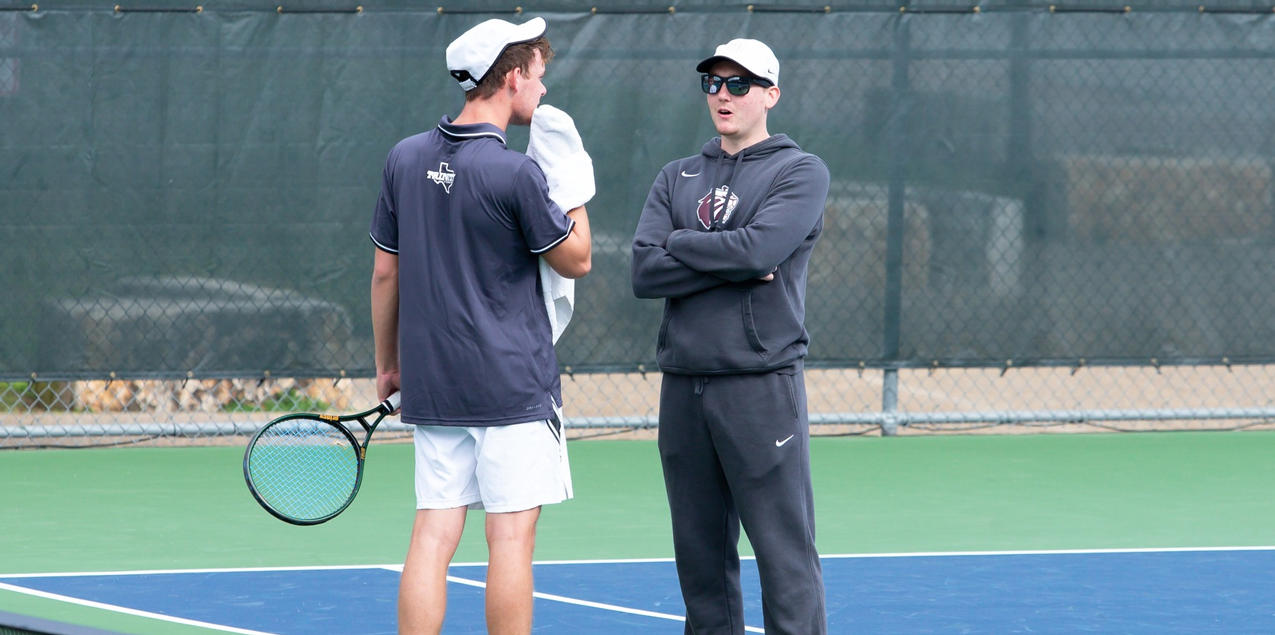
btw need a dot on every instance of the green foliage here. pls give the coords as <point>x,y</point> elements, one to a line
<point>22,396</point>
<point>10,394</point>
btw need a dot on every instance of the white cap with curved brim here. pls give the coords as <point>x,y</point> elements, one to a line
<point>471,55</point>
<point>754,56</point>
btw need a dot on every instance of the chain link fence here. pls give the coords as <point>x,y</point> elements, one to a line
<point>1043,216</point>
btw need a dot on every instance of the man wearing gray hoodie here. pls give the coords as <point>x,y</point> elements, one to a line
<point>725,239</point>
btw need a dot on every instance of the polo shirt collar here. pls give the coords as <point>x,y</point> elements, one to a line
<point>470,131</point>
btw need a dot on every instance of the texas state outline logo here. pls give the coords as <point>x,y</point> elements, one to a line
<point>442,176</point>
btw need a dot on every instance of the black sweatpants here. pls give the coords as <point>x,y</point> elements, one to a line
<point>736,449</point>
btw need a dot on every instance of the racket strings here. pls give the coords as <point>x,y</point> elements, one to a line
<point>304,469</point>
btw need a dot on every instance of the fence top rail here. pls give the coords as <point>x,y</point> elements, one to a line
<point>653,7</point>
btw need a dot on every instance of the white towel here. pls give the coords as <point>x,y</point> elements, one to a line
<point>560,298</point>
<point>556,147</point>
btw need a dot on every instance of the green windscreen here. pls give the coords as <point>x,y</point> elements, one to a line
<point>187,193</point>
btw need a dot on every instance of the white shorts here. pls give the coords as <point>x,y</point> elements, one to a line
<point>499,468</point>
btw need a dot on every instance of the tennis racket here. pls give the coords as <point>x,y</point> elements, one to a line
<point>306,468</point>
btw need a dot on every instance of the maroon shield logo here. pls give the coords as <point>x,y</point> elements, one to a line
<point>717,206</point>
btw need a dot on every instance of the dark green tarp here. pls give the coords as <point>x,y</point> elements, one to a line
<point>188,193</point>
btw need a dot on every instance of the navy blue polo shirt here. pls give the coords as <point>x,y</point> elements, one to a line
<point>468,218</point>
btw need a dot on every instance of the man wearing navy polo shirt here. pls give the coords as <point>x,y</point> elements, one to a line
<point>461,324</point>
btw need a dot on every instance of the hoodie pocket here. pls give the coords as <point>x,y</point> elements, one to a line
<point>750,325</point>
<point>661,340</point>
<point>771,324</point>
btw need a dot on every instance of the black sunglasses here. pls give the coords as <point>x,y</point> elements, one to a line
<point>734,85</point>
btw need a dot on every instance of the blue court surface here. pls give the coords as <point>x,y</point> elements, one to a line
<point>1139,592</point>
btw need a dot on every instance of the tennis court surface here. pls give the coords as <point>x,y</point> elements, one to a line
<point>1134,592</point>
<point>1132,534</point>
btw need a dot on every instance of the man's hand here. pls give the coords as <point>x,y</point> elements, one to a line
<point>387,383</point>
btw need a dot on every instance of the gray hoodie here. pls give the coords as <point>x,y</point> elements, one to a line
<point>713,225</point>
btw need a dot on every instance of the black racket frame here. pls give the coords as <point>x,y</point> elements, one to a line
<point>383,409</point>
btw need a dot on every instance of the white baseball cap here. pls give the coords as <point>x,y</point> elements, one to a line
<point>755,57</point>
<point>471,55</point>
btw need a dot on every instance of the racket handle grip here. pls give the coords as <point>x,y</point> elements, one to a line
<point>392,401</point>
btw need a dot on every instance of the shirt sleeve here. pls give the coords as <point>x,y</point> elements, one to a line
<point>655,273</point>
<point>790,212</point>
<point>384,231</point>
<point>544,225</point>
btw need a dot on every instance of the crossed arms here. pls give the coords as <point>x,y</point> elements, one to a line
<point>671,262</point>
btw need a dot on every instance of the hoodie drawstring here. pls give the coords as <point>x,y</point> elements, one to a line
<point>720,221</point>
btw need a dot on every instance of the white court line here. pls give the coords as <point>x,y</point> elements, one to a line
<point>1041,552</point>
<point>593,605</point>
<point>921,554</point>
<point>128,611</point>
<point>576,601</point>
<point>399,567</point>
<point>217,570</point>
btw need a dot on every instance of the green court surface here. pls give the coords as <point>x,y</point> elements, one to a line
<point>130,509</point>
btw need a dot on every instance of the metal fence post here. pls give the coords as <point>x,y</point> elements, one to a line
<point>890,402</point>
<point>895,227</point>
